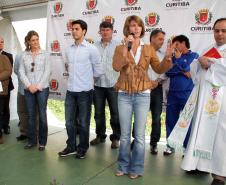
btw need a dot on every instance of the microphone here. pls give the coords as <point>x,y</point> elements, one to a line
<point>130,43</point>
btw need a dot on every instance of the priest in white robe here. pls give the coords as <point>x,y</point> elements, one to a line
<point>206,149</point>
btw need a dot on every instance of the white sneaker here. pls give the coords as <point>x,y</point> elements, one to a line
<point>168,151</point>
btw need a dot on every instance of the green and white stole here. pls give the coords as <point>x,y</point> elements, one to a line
<point>208,121</point>
<point>178,134</point>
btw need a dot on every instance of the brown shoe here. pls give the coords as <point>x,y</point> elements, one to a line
<point>119,173</point>
<point>134,176</point>
<point>115,144</point>
<point>217,182</point>
<point>1,139</point>
<point>97,141</point>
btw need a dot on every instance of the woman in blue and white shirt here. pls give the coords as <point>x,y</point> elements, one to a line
<point>34,72</point>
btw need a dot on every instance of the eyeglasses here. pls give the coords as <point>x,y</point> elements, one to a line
<point>32,66</point>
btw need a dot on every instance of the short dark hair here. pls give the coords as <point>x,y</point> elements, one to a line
<point>182,38</point>
<point>156,32</point>
<point>219,20</point>
<point>106,24</point>
<point>82,24</point>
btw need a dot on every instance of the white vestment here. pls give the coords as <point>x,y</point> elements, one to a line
<point>216,75</point>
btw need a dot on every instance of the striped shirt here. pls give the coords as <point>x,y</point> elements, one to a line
<point>110,75</point>
<point>41,69</point>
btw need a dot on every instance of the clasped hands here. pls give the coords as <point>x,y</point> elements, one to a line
<point>34,88</point>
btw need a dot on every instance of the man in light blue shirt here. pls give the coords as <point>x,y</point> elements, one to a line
<point>83,63</point>
<point>104,89</point>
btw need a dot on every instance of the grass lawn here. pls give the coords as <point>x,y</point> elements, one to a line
<point>57,108</point>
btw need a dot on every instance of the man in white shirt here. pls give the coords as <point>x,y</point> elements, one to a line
<point>157,38</point>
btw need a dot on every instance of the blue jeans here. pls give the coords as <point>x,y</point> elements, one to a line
<point>102,94</point>
<point>137,104</point>
<point>39,100</point>
<point>83,101</point>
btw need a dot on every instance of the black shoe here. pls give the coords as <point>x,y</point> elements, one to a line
<point>21,138</point>
<point>154,150</point>
<point>132,145</point>
<point>29,146</point>
<point>97,141</point>
<point>66,152</point>
<point>115,144</point>
<point>1,139</point>
<point>6,131</point>
<point>197,172</point>
<point>80,155</point>
<point>217,182</point>
<point>41,148</point>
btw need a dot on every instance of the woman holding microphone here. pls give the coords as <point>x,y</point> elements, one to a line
<point>132,60</point>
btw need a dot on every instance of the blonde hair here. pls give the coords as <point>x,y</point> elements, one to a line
<point>138,20</point>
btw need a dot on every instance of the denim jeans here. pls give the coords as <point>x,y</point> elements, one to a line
<point>83,101</point>
<point>156,111</point>
<point>137,104</point>
<point>102,94</point>
<point>39,100</point>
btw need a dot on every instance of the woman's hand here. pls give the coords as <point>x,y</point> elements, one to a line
<point>128,44</point>
<point>177,53</point>
<point>32,88</point>
<point>187,74</point>
<point>169,54</point>
<point>154,84</point>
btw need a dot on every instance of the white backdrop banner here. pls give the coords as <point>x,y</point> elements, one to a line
<point>189,17</point>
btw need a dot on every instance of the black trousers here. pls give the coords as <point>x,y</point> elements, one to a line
<point>102,94</point>
<point>156,111</point>
<point>6,112</point>
<point>3,103</point>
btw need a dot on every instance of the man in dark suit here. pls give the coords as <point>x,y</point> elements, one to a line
<point>6,128</point>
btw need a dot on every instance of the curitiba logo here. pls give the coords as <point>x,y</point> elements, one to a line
<point>131,2</point>
<point>54,84</point>
<point>58,7</point>
<point>109,18</point>
<point>55,46</point>
<point>91,4</point>
<point>69,24</point>
<point>152,19</point>
<point>203,17</point>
